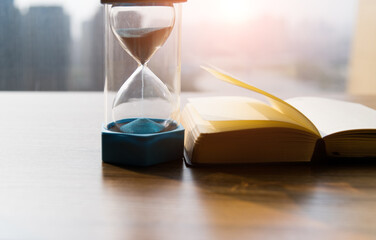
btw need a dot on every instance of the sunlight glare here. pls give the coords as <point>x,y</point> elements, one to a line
<point>235,11</point>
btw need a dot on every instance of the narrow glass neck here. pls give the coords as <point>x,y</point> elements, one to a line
<point>145,65</point>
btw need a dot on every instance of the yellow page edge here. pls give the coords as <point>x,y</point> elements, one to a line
<point>276,102</point>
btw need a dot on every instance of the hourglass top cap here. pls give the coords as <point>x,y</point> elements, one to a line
<point>141,1</point>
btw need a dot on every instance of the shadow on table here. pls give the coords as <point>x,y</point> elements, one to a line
<point>290,182</point>
<point>262,182</point>
<point>170,170</point>
<point>295,197</point>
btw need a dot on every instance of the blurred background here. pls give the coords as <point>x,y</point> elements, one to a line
<point>309,46</point>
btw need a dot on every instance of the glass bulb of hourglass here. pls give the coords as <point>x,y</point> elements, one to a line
<point>143,101</point>
<point>143,104</point>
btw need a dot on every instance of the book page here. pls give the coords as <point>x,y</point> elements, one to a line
<point>332,116</point>
<point>224,114</point>
<point>235,113</point>
<point>275,102</point>
<point>233,108</point>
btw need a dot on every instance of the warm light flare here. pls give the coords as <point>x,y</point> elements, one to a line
<point>235,11</point>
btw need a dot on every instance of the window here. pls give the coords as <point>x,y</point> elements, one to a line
<point>304,44</point>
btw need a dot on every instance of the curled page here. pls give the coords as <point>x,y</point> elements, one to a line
<point>275,102</point>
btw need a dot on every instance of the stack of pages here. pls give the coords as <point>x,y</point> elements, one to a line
<point>245,130</point>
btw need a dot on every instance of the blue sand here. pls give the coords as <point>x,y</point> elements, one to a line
<point>142,126</point>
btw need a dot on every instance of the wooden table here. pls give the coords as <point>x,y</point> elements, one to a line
<point>53,185</point>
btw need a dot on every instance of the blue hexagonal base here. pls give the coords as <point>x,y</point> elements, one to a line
<point>142,149</point>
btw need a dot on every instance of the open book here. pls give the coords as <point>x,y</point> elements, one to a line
<point>245,130</point>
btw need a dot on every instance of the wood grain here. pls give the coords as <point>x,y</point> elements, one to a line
<point>53,185</point>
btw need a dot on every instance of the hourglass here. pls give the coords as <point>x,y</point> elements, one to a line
<point>142,103</point>
<point>141,30</point>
